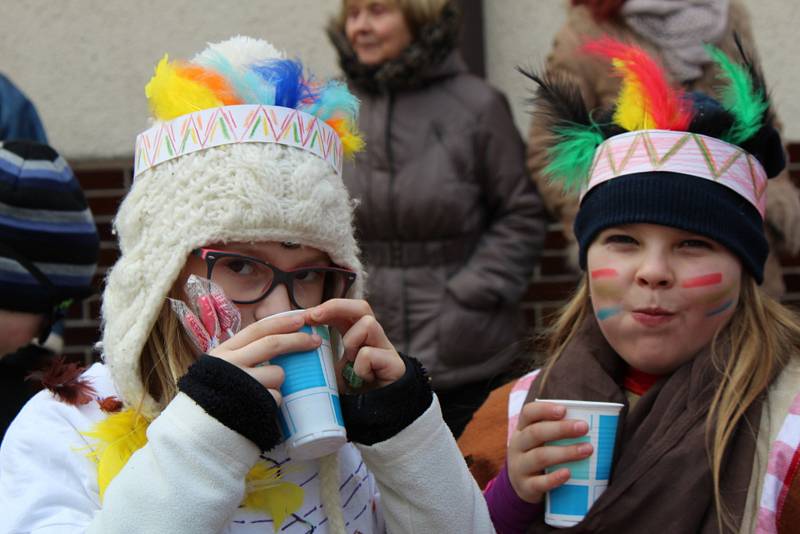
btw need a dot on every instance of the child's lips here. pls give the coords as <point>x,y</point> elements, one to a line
<point>653,316</point>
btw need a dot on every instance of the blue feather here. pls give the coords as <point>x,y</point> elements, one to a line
<point>335,100</point>
<point>250,87</point>
<point>286,76</point>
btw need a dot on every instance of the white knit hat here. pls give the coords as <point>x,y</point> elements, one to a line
<point>252,190</point>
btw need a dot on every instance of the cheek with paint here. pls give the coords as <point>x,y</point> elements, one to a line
<point>606,293</point>
<point>711,291</point>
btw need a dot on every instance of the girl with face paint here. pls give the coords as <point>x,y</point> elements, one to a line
<point>669,319</point>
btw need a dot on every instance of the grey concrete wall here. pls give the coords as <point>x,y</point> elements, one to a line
<point>85,62</point>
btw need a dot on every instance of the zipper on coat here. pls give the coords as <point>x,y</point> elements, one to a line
<point>395,243</point>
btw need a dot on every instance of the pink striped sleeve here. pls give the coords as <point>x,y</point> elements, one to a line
<point>516,399</point>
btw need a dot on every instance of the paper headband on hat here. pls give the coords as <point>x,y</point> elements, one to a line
<point>687,153</point>
<point>237,124</point>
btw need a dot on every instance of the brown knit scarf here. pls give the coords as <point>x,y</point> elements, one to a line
<point>661,479</point>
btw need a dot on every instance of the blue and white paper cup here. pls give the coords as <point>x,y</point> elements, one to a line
<point>310,412</point>
<point>569,503</point>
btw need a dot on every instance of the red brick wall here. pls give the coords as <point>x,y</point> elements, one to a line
<point>551,282</point>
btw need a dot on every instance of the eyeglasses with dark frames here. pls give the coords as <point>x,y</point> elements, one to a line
<point>247,280</point>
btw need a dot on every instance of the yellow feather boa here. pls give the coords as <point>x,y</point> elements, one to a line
<point>121,434</point>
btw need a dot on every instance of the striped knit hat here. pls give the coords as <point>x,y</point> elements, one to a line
<point>48,240</point>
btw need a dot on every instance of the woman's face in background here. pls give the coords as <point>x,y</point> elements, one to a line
<point>376,29</point>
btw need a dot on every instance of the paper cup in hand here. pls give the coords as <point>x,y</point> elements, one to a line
<point>310,413</point>
<point>569,503</point>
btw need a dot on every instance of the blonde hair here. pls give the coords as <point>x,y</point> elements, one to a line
<point>417,13</point>
<point>166,355</point>
<point>764,335</point>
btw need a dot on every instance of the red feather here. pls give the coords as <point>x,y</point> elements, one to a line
<point>64,380</point>
<point>109,404</point>
<point>667,105</point>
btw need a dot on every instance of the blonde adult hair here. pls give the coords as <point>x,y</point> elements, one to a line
<point>765,335</point>
<point>417,13</point>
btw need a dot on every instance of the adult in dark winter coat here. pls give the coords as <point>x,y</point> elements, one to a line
<point>449,224</point>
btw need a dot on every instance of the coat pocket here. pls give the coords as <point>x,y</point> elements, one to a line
<point>470,335</point>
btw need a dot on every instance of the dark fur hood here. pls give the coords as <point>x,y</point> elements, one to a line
<point>421,62</point>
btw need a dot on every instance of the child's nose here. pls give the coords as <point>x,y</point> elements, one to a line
<point>655,271</point>
<point>277,301</point>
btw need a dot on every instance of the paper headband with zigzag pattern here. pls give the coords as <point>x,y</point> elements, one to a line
<point>237,124</point>
<point>243,91</point>
<point>694,154</point>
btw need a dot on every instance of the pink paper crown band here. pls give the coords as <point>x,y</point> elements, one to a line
<point>684,153</point>
<point>237,124</point>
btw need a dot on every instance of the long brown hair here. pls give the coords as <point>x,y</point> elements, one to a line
<point>765,335</point>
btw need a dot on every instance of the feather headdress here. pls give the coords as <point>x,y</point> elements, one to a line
<point>744,96</point>
<point>214,79</point>
<point>575,135</point>
<point>646,101</point>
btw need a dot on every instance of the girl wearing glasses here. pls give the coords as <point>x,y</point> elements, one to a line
<point>238,182</point>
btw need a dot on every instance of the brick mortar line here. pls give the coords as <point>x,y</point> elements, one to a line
<point>104,193</point>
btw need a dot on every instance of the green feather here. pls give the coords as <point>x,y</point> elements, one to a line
<point>571,156</point>
<point>740,98</point>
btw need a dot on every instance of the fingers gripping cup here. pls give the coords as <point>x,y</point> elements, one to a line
<point>310,413</point>
<point>567,504</point>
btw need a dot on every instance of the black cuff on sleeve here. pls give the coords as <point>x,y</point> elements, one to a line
<point>233,398</point>
<point>379,414</point>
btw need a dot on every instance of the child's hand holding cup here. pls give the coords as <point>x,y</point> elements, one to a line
<point>280,351</point>
<point>563,449</point>
<point>310,412</point>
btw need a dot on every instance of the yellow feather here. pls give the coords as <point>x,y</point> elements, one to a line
<point>171,95</point>
<point>118,437</point>
<point>352,143</point>
<point>268,493</point>
<point>349,135</point>
<point>631,112</point>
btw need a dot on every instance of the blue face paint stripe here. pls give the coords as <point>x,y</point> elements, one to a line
<point>720,309</point>
<point>606,313</point>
